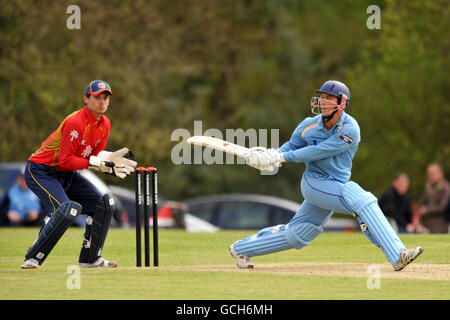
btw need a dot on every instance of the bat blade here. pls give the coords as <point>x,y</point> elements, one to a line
<point>219,144</point>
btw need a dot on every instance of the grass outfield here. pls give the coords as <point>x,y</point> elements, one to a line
<point>198,266</point>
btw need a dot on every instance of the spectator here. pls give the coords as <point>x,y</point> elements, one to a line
<point>396,205</point>
<point>24,205</point>
<point>447,214</point>
<point>435,199</point>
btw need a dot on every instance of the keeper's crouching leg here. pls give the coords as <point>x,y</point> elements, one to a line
<point>53,230</point>
<point>97,227</point>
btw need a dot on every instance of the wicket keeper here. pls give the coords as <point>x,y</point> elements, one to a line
<point>326,143</point>
<point>51,173</point>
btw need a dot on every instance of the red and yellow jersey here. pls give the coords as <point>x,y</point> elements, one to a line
<point>77,138</point>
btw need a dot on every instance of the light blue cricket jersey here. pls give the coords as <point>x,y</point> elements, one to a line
<point>327,153</point>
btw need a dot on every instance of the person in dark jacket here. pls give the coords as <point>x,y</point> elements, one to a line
<point>396,205</point>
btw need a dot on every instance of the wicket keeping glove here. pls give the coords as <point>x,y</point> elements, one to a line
<point>114,163</point>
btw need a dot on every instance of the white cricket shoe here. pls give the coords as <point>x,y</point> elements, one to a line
<point>30,264</point>
<point>243,261</point>
<point>99,263</point>
<point>406,257</point>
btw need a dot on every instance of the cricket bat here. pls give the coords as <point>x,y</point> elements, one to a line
<point>219,144</point>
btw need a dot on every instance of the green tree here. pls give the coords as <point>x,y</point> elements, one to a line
<point>231,64</point>
<point>400,98</point>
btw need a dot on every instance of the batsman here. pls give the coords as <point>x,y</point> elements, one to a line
<point>51,173</point>
<point>326,143</point>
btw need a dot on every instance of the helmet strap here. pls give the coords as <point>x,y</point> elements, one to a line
<point>328,118</point>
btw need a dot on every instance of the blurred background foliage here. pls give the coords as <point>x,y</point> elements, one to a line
<point>231,64</point>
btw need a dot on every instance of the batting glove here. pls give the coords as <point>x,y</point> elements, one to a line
<point>274,157</point>
<point>258,158</point>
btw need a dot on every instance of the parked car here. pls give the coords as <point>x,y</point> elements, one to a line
<point>8,174</point>
<point>252,211</point>
<point>171,214</point>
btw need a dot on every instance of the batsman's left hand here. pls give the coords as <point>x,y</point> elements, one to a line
<point>257,158</point>
<point>275,157</point>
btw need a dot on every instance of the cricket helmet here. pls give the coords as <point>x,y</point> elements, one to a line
<point>335,88</point>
